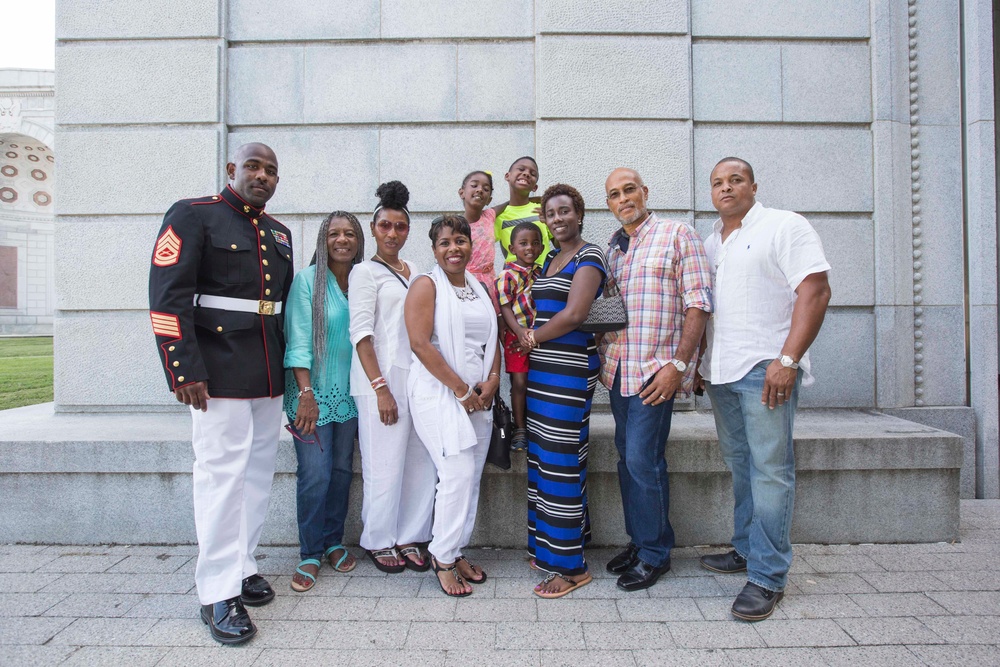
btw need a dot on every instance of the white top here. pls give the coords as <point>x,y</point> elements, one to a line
<point>755,275</point>
<point>376,299</point>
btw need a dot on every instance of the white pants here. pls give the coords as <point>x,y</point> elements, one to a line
<point>235,447</point>
<point>398,474</point>
<point>457,499</point>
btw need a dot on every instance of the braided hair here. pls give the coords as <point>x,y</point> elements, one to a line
<point>321,259</point>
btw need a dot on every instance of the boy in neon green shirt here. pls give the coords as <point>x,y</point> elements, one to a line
<point>522,178</point>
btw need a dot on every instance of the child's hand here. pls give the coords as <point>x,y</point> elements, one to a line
<point>524,339</point>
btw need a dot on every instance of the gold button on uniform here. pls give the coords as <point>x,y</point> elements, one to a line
<point>262,232</point>
<point>218,329</point>
<point>267,276</point>
<point>246,209</point>
<point>170,349</point>
<point>180,378</point>
<point>264,262</point>
<point>254,221</point>
<point>267,292</point>
<point>233,246</point>
<point>176,364</point>
<point>263,247</point>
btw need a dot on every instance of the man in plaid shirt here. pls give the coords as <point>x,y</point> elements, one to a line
<point>663,274</point>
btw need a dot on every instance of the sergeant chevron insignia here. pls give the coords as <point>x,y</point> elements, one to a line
<point>168,248</point>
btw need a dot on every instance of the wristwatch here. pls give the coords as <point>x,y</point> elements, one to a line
<point>787,362</point>
<point>679,365</point>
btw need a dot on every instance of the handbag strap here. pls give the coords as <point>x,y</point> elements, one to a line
<point>393,272</point>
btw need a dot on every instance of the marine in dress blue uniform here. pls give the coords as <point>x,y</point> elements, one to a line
<point>221,272</point>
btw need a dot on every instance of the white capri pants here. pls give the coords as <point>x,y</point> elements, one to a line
<point>398,473</point>
<point>457,499</point>
<point>235,446</point>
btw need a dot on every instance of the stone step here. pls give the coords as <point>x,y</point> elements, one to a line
<point>862,476</point>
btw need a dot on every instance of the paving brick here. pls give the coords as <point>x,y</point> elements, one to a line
<point>877,631</point>
<point>516,658</point>
<point>818,583</point>
<point>658,609</point>
<point>820,606</point>
<point>16,582</point>
<point>104,631</point>
<point>634,635</point>
<point>957,655</point>
<point>884,656</point>
<point>968,581</point>
<point>35,655</point>
<point>898,604</point>
<point>903,582</point>
<point>95,605</point>
<point>685,587</point>
<point>773,657</point>
<point>20,563</point>
<point>177,632</point>
<point>214,656</point>
<point>681,657</point>
<point>587,659</point>
<point>168,606</point>
<point>715,634</point>
<point>161,564</point>
<point>395,609</point>
<point>30,630</point>
<point>27,604</point>
<point>436,634</point>
<point>372,587</point>
<point>290,634</point>
<point>818,632</point>
<point>828,564</point>
<point>963,629</point>
<point>510,609</point>
<point>109,656</point>
<point>363,635</point>
<point>541,635</point>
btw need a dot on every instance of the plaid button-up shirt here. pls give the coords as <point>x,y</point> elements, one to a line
<point>514,289</point>
<point>663,272</point>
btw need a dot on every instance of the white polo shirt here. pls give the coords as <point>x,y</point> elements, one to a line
<point>755,275</point>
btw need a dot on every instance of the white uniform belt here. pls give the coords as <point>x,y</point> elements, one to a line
<point>237,305</point>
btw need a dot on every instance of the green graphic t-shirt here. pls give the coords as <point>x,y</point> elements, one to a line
<point>511,217</point>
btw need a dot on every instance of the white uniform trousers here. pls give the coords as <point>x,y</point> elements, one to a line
<point>235,447</point>
<point>398,474</point>
<point>457,499</point>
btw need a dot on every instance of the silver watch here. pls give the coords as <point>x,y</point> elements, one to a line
<point>788,362</point>
<point>679,365</point>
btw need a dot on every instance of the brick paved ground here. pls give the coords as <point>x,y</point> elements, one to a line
<point>857,605</point>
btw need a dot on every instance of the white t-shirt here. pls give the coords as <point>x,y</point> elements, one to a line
<point>755,275</point>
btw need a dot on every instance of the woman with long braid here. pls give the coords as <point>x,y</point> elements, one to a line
<point>321,413</point>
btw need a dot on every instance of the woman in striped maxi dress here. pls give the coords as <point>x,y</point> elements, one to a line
<point>561,380</point>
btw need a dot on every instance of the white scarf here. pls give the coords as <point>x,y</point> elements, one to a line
<point>456,431</point>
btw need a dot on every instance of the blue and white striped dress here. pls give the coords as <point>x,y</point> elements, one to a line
<point>561,381</point>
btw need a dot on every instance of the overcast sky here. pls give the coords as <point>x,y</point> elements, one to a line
<point>28,34</point>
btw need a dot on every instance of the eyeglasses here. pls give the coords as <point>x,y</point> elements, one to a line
<point>385,226</point>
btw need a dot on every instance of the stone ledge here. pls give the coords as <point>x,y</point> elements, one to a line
<point>860,475</point>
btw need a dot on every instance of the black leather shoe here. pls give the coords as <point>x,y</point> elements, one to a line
<point>228,621</point>
<point>256,591</point>
<point>624,560</point>
<point>641,575</point>
<point>724,563</point>
<point>755,603</point>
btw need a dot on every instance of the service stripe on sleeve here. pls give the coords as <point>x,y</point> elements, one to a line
<point>165,324</point>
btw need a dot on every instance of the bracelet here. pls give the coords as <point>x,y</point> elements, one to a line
<point>531,337</point>
<point>467,395</point>
<point>492,373</point>
<point>304,391</point>
<point>379,382</point>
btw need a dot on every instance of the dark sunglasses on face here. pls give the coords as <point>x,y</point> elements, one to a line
<point>385,226</point>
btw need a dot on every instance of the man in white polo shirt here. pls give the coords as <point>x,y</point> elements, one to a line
<point>771,293</point>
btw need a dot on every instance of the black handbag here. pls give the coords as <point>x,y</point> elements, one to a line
<point>607,313</point>
<point>503,432</point>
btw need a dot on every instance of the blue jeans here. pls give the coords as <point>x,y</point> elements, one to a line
<point>756,444</point>
<point>323,484</point>
<point>641,438</point>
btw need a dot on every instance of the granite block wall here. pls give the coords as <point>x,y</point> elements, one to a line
<point>847,111</point>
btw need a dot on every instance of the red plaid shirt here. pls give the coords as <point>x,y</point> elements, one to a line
<point>662,274</point>
<point>514,289</point>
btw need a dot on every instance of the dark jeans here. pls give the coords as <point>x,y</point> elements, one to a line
<point>323,485</point>
<point>641,438</point>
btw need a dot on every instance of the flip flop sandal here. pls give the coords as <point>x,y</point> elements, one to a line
<point>328,554</point>
<point>300,588</point>
<point>454,572</point>
<point>573,586</point>
<point>385,553</point>
<point>415,551</point>
<point>473,568</point>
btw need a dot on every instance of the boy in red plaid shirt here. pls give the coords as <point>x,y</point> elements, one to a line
<point>518,311</point>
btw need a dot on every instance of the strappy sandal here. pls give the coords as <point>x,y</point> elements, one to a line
<point>454,572</point>
<point>385,553</point>
<point>414,550</point>
<point>573,585</point>
<point>473,568</point>
<point>302,588</point>
<point>339,564</point>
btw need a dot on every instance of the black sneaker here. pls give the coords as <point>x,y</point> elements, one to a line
<point>520,441</point>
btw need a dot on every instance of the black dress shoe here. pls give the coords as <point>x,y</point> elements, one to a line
<point>228,621</point>
<point>641,575</point>
<point>624,560</point>
<point>755,603</point>
<point>256,591</point>
<point>724,563</point>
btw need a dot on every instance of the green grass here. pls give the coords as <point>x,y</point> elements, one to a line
<point>25,371</point>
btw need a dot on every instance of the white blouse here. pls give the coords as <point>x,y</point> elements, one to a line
<point>376,299</point>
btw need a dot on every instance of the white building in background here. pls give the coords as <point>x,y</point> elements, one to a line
<point>27,201</point>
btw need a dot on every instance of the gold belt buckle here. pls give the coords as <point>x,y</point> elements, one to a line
<point>265,308</point>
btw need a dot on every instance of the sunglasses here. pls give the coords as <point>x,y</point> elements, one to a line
<point>385,226</point>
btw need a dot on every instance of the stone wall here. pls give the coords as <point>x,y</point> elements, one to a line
<point>848,112</point>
